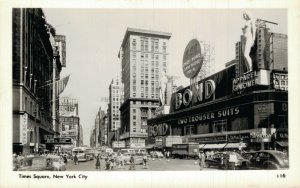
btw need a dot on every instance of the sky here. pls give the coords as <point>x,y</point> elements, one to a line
<point>94,36</point>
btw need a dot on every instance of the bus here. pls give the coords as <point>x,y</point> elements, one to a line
<point>83,153</point>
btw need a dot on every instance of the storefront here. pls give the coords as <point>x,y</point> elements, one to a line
<point>225,112</point>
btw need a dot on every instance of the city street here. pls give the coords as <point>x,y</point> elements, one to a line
<point>153,165</point>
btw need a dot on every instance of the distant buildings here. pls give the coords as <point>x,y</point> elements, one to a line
<point>116,98</point>
<point>99,132</point>
<point>144,56</point>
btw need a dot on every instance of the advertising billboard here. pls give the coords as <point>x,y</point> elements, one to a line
<point>213,87</point>
<point>192,58</point>
<point>68,107</point>
<point>60,41</point>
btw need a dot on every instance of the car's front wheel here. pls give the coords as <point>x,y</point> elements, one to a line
<point>270,165</point>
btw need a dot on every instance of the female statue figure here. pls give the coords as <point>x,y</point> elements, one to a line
<point>249,32</point>
<point>162,87</point>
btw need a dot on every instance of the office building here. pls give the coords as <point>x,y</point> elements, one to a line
<point>144,55</point>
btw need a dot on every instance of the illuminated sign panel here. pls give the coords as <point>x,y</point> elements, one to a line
<point>247,80</point>
<point>213,87</point>
<point>23,128</point>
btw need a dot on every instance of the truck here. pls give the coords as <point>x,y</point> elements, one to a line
<point>187,150</point>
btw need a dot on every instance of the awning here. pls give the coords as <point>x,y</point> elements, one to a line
<point>201,146</point>
<point>214,146</point>
<point>235,145</point>
<point>283,144</point>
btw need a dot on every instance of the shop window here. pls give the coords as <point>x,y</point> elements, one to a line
<point>220,126</point>
<point>203,128</point>
<point>190,130</point>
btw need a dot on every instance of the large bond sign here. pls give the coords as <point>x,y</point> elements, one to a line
<point>192,58</point>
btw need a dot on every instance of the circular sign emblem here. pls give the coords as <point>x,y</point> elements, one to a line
<point>192,58</point>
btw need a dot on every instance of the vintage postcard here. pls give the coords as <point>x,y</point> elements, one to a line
<point>149,94</point>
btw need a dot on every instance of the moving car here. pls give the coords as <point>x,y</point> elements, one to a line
<point>269,159</point>
<point>42,163</point>
<point>156,154</point>
<point>227,160</point>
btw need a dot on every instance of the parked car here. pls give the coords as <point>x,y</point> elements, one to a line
<point>42,163</point>
<point>270,159</point>
<point>227,160</point>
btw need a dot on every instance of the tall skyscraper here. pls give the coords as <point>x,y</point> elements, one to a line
<point>143,56</point>
<point>116,98</point>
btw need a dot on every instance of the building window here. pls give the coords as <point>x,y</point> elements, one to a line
<point>134,130</point>
<point>134,44</point>
<point>220,126</point>
<point>146,45</point>
<point>152,46</point>
<point>156,46</point>
<point>156,56</point>
<point>133,55</point>
<point>142,44</point>
<point>134,111</point>
<point>134,123</point>
<point>164,58</point>
<point>134,117</point>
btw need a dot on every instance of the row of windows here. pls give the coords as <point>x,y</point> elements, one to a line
<point>142,130</point>
<point>144,45</point>
<point>145,55</point>
<point>144,102</point>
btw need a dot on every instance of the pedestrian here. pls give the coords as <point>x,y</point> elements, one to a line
<point>112,163</point>
<point>131,166</point>
<point>168,154</point>
<point>76,159</point>
<point>16,162</point>
<point>145,161</point>
<point>201,160</point>
<point>65,159</point>
<point>98,165</point>
<point>107,164</point>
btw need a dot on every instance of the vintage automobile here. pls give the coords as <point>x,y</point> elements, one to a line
<point>227,160</point>
<point>269,159</point>
<point>156,154</point>
<point>42,163</point>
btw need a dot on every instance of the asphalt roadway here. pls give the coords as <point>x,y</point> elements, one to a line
<point>153,165</point>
